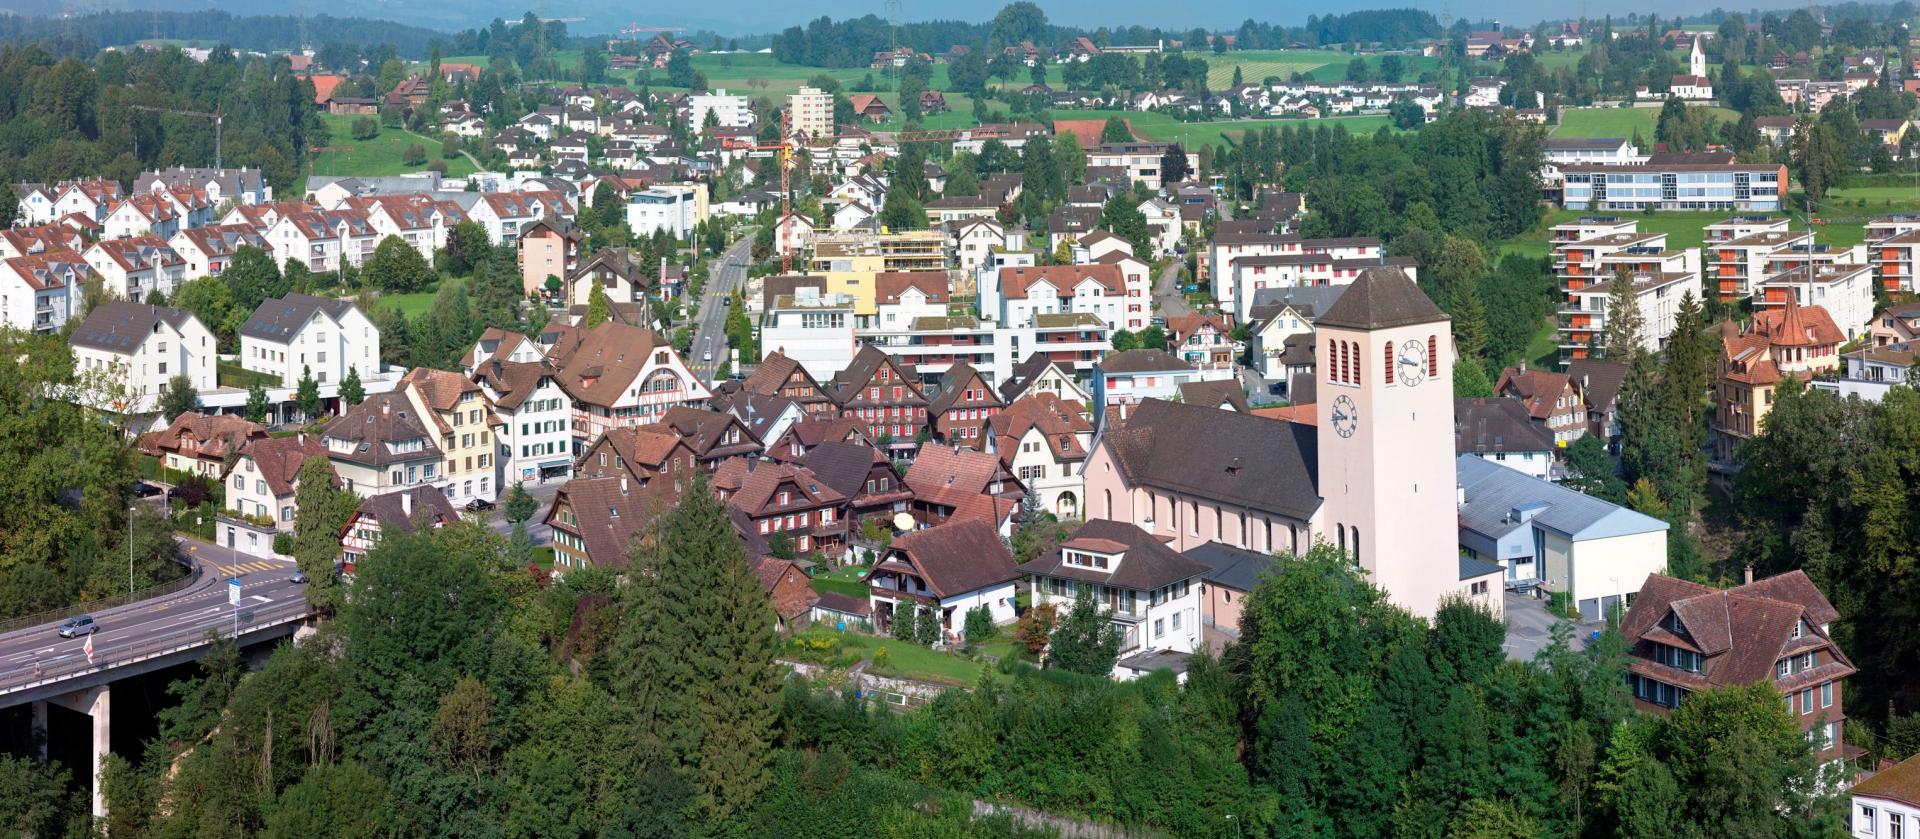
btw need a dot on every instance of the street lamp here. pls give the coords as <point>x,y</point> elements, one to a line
<point>130,551</point>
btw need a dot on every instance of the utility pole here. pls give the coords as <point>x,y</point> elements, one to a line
<point>130,551</point>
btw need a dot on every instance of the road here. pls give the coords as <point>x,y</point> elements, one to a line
<point>728,273</point>
<point>1167,299</point>
<point>149,626</point>
<point>537,530</point>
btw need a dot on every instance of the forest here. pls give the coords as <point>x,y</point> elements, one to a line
<point>81,36</point>
<point>455,694</point>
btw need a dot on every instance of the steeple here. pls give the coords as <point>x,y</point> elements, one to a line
<point>1697,60</point>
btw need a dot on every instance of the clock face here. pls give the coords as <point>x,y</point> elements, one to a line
<point>1413,362</point>
<point>1346,416</point>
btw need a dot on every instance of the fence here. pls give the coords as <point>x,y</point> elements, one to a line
<point>161,590</point>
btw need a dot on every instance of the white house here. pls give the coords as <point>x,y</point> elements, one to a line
<point>142,215</point>
<point>38,291</point>
<point>1887,805</point>
<point>133,268</point>
<point>148,346</point>
<point>261,489</point>
<point>952,569</point>
<point>88,198</point>
<point>503,214</point>
<point>241,186</point>
<point>1150,592</point>
<point>728,110</point>
<point>1500,430</point>
<point>299,332</point>
<point>207,251</point>
<point>324,240</point>
<point>1098,290</point>
<point>1555,540</point>
<point>1043,440</point>
<point>535,430</point>
<point>382,445</point>
<point>972,239</point>
<point>670,208</point>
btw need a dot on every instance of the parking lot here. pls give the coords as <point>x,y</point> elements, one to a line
<point>1530,627</point>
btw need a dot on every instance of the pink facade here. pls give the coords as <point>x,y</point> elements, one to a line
<point>1188,521</point>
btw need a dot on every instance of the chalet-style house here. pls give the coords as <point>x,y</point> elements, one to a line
<point>953,569</point>
<point>1150,592</point>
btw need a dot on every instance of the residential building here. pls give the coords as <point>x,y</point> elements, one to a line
<point>383,445</point>
<point>240,186</point>
<point>40,291</point>
<point>657,458</point>
<point>1136,375</point>
<point>1895,325</point>
<point>1282,318</point>
<point>140,348</point>
<point>209,250</point>
<point>505,214</point>
<point>1141,161</point>
<point>1552,399</point>
<point>548,248</point>
<point>714,436</point>
<point>618,375</point>
<point>952,569</point>
<point>1555,541</point>
<point>1887,804</point>
<point>1500,430</point>
<point>961,408</point>
<point>672,208</point>
<point>973,239</point>
<point>1043,440</point>
<point>1845,290</point>
<point>862,475</point>
<point>406,511</point>
<point>1789,340</point>
<point>901,297</point>
<point>1204,341</point>
<point>1684,637</point>
<point>594,519</point>
<point>1149,592</point>
<point>877,390</point>
<point>135,267</point>
<point>266,475</point>
<point>810,113</point>
<point>1870,372</point>
<point>1675,186</point>
<point>785,498</point>
<point>1737,266</point>
<point>1660,281</point>
<point>963,485</point>
<point>324,240</point>
<point>1307,262</point>
<point>728,110</point>
<point>780,375</point>
<point>465,422</point>
<point>1039,373</point>
<point>814,330</point>
<point>300,334</point>
<point>200,443</point>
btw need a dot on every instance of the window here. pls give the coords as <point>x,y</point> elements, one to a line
<point>1176,620</point>
<point>239,482</point>
<point>1806,701</point>
<point>1159,628</point>
<point>1865,821</point>
<point>1826,695</point>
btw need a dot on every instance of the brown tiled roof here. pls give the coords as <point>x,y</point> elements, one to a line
<point>889,285</point>
<point>1215,393</point>
<point>851,382</point>
<point>279,459</point>
<point>1060,421</point>
<point>1015,282</point>
<point>1496,424</point>
<point>844,466</point>
<point>1794,325</point>
<point>607,512</point>
<point>1381,298</point>
<point>430,506</point>
<point>439,389</point>
<point>1599,380</point>
<point>1537,390</point>
<point>958,378</point>
<point>375,425</point>
<point>513,380</point>
<point>705,432</point>
<point>216,435</point>
<point>605,361</point>
<point>1146,562</point>
<point>962,479</point>
<point>956,557</point>
<point>1240,459</point>
<point>1901,783</point>
<point>1743,631</point>
<point>758,493</point>
<point>814,431</point>
<point>773,373</point>
<point>791,593</point>
<point>647,445</point>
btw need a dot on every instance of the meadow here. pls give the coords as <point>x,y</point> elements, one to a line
<point>385,154</point>
<point>1619,122</point>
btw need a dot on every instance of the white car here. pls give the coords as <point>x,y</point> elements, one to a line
<point>708,356</point>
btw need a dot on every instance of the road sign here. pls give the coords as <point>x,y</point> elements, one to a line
<point>233,591</point>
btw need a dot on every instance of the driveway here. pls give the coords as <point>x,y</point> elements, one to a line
<point>1167,299</point>
<point>1530,627</point>
<point>496,518</point>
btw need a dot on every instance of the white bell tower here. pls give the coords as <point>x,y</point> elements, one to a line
<point>1384,357</point>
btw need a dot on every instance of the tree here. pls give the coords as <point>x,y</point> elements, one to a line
<point>1116,131</point>
<point>258,406</point>
<point>178,397</point>
<point>902,625</point>
<point>253,277</point>
<point>1590,469</point>
<point>902,211</point>
<point>306,395</point>
<point>979,626</point>
<point>1173,165</point>
<point>597,306</point>
<point>352,392</point>
<point>397,267</point>
<point>926,626</point>
<point>1621,339</point>
<point>1153,338</point>
<point>520,504</point>
<point>1085,641</point>
<point>320,511</point>
<point>1819,159</point>
<point>1405,113</point>
<point>211,301</point>
<point>1470,380</point>
<point>1122,217</point>
<point>1124,340</point>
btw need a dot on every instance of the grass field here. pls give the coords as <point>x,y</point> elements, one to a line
<point>1618,122</point>
<point>416,304</point>
<point>1160,127</point>
<point>385,154</point>
<point>1256,65</point>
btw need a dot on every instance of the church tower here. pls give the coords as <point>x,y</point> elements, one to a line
<point>1386,437</point>
<point>1697,60</point>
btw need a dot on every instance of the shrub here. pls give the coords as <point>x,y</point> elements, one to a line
<point>414,154</point>
<point>366,128</point>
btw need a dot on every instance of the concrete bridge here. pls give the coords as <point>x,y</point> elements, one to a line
<point>39,668</point>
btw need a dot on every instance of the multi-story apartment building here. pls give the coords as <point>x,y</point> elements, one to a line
<point>1022,293</point>
<point>1782,341</point>
<point>1844,289</point>
<point>1675,186</point>
<point>39,291</point>
<point>135,267</point>
<point>1043,440</point>
<point>728,110</point>
<point>142,347</point>
<point>816,331</point>
<point>383,445</point>
<point>1661,277</point>
<point>961,408</point>
<point>299,333</point>
<point>849,262</point>
<point>1308,262</point>
<point>1234,239</point>
<point>209,250</point>
<point>618,375</point>
<point>534,420</point>
<point>464,419</point>
<point>505,214</point>
<point>324,240</point>
<point>1740,227</point>
<point>1148,591</point>
<point>1139,161</point>
<point>810,113</point>
<point>885,395</point>
<point>1738,265</point>
<point>1686,637</point>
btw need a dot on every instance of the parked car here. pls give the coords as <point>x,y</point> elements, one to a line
<point>298,579</point>
<point>78,625</point>
<point>478,504</point>
<point>142,489</point>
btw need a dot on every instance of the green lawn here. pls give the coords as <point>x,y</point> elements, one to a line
<point>843,581</point>
<point>903,659</point>
<point>1256,65</point>
<point>1543,350</point>
<point>231,374</point>
<point>416,304</point>
<point>383,155</point>
<point>1156,126</point>
<point>1619,122</point>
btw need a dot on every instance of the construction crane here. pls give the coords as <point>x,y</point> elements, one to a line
<point>783,153</point>
<point>215,116</point>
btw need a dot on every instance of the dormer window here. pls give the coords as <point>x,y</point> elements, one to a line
<point>1083,559</point>
<point>1799,628</point>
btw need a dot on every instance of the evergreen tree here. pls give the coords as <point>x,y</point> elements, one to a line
<point>178,397</point>
<point>1084,641</point>
<point>520,504</point>
<point>1116,131</point>
<point>1122,217</point>
<point>1590,470</point>
<point>352,392</point>
<point>926,626</point>
<point>1469,320</point>
<point>1621,340</point>
<point>306,395</point>
<point>902,625</point>
<point>320,511</point>
<point>258,406</point>
<point>1173,164</point>
<point>596,306</point>
<point>1470,380</point>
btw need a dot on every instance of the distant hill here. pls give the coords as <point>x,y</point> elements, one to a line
<point>255,32</point>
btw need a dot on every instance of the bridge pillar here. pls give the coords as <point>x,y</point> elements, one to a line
<point>97,703</point>
<point>39,707</point>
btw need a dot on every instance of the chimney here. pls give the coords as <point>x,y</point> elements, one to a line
<point>406,504</point>
<point>623,485</point>
<point>1749,574</point>
<point>386,407</point>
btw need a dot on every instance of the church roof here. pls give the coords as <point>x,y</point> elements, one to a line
<point>1381,298</point>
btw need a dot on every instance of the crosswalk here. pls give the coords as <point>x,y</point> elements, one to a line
<point>252,567</point>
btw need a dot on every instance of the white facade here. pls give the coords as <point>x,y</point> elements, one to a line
<point>1055,483</point>
<point>536,438</point>
<point>328,342</point>
<point>1845,291</point>
<point>672,209</point>
<point>1883,817</point>
<point>171,344</point>
<point>813,330</point>
<point>809,113</point>
<point>728,111</point>
<point>38,292</point>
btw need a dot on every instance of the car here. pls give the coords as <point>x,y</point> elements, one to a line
<point>298,579</point>
<point>478,504</point>
<point>707,356</point>
<point>142,489</point>
<point>78,625</point>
